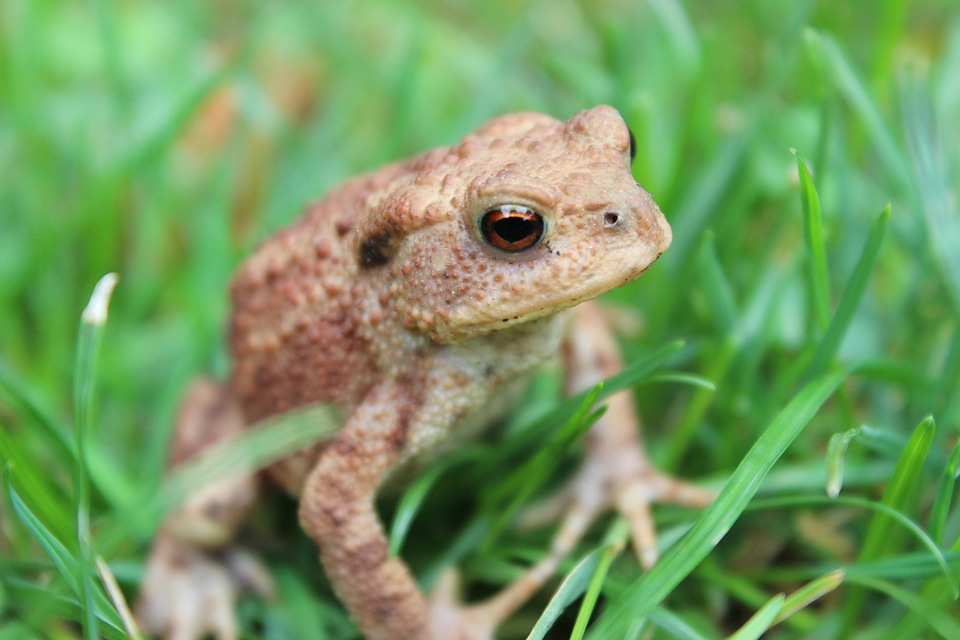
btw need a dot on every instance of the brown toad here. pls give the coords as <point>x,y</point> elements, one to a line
<point>417,296</point>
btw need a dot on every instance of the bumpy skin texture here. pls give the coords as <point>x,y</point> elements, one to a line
<point>392,263</point>
<point>388,277</point>
<point>387,299</point>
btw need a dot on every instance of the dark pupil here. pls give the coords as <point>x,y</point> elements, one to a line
<point>515,229</point>
<point>633,146</point>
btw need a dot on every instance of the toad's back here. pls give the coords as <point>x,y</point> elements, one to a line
<point>295,332</point>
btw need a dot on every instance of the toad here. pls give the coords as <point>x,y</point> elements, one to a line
<point>418,298</point>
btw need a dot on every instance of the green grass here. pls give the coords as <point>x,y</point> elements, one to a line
<point>806,153</point>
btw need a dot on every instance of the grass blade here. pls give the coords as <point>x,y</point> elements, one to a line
<point>61,556</point>
<point>587,575</point>
<point>109,33</point>
<point>761,620</point>
<point>614,543</point>
<point>569,590</point>
<point>809,593</point>
<point>834,64</point>
<point>933,177</point>
<point>628,377</point>
<point>54,436</point>
<point>813,234</point>
<point>681,377</point>
<point>882,538</point>
<point>414,496</point>
<point>674,625</point>
<point>721,300</point>
<point>88,350</point>
<point>893,21</point>
<point>836,452</point>
<point>35,485</point>
<point>712,525</point>
<point>701,200</point>
<point>253,449</point>
<point>944,497</point>
<point>517,488</point>
<point>880,509</point>
<point>746,590</point>
<point>940,621</point>
<point>781,607</point>
<point>850,299</point>
<point>934,593</point>
<point>117,599</point>
<point>57,551</point>
<point>948,382</point>
<point>899,493</point>
<point>716,286</point>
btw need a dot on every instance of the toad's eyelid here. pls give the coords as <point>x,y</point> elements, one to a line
<point>512,188</point>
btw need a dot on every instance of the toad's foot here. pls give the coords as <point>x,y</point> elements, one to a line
<point>616,472</point>
<point>621,479</point>
<point>625,482</point>
<point>451,619</point>
<point>188,592</point>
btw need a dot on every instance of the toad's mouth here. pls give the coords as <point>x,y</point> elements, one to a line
<point>525,302</point>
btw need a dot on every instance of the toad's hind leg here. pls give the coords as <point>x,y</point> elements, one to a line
<point>194,572</point>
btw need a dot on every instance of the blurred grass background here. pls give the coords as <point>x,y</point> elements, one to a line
<point>163,140</point>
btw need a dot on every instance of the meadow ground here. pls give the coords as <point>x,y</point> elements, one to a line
<point>806,153</point>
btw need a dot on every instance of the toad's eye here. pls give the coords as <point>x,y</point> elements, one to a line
<point>512,227</point>
<point>633,146</point>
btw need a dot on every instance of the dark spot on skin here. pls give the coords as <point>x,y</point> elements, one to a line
<point>413,388</point>
<point>178,561</point>
<point>386,605</point>
<point>369,555</point>
<point>334,515</point>
<point>604,363</point>
<point>213,510</point>
<point>489,370</point>
<point>342,446</point>
<point>335,500</point>
<point>398,436</point>
<point>373,250</point>
<point>264,376</point>
<point>344,226</point>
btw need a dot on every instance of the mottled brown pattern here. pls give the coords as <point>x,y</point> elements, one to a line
<point>390,300</point>
<point>369,555</point>
<point>208,413</point>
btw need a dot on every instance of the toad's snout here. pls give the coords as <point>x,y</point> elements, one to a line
<point>639,220</point>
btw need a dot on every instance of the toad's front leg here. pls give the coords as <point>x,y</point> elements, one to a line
<point>337,511</point>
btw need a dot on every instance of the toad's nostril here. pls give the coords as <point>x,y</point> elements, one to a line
<point>611,218</point>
